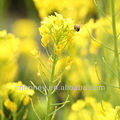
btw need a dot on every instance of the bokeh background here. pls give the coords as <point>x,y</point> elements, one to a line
<point>89,51</point>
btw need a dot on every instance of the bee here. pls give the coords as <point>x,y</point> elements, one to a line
<point>77,27</point>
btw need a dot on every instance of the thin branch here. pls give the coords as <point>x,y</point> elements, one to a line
<point>56,87</point>
<point>101,11</point>
<point>93,38</point>
<point>59,76</point>
<point>59,103</point>
<point>60,106</point>
<point>110,68</point>
<point>37,88</point>
<point>43,81</point>
<point>102,80</point>
<point>34,110</point>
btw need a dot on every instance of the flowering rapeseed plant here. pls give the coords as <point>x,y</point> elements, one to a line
<point>57,36</point>
<point>67,57</point>
<point>58,32</point>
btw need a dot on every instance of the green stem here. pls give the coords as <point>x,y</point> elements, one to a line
<point>50,90</point>
<point>14,116</point>
<point>116,53</point>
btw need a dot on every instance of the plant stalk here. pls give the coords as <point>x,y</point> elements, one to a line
<point>14,116</point>
<point>116,52</point>
<point>50,89</point>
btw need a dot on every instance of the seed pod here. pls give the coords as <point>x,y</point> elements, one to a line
<point>77,27</point>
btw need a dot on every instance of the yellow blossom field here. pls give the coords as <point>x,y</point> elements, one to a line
<point>59,59</point>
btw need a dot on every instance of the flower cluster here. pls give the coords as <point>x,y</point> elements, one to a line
<point>16,96</point>
<point>57,31</point>
<point>90,109</point>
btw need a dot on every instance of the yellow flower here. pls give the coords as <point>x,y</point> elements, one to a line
<point>58,48</point>
<point>94,48</point>
<point>57,31</point>
<point>35,52</point>
<point>63,64</point>
<point>45,40</point>
<point>16,90</point>
<point>10,105</point>
<point>26,100</point>
<point>78,105</point>
<point>73,116</point>
<point>90,109</point>
<point>50,60</point>
<point>68,63</point>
